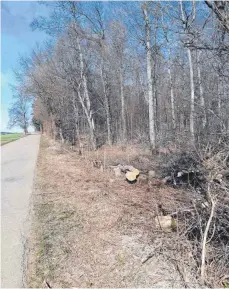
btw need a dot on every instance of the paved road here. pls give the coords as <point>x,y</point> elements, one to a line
<point>17,171</point>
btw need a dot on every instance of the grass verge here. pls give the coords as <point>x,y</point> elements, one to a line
<point>10,137</point>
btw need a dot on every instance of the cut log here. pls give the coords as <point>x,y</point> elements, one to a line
<point>166,223</point>
<point>151,174</point>
<point>143,180</point>
<point>117,172</point>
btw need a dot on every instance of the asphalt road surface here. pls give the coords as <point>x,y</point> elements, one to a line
<point>18,162</point>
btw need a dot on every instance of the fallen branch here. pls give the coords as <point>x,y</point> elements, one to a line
<point>203,255</point>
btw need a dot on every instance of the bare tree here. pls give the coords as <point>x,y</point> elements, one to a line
<point>19,112</point>
<point>202,100</point>
<point>152,132</point>
<point>188,20</point>
<point>95,81</point>
<point>221,9</point>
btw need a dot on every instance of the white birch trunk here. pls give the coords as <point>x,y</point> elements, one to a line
<point>106,99</point>
<point>122,105</point>
<point>76,114</point>
<point>87,107</point>
<point>186,20</point>
<point>192,100</point>
<point>149,79</point>
<point>61,135</point>
<point>107,109</point>
<point>172,95</point>
<point>202,100</point>
<point>219,102</point>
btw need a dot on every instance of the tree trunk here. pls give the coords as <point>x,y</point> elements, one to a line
<point>172,95</point>
<point>186,22</point>
<point>76,114</point>
<point>106,98</point>
<point>219,102</point>
<point>108,118</point>
<point>122,105</point>
<point>155,98</point>
<point>192,100</point>
<point>25,124</point>
<point>61,135</point>
<point>41,128</point>
<point>87,107</point>
<point>202,101</point>
<point>149,79</point>
<point>107,105</point>
<point>53,127</point>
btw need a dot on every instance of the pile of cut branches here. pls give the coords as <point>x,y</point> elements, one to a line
<point>206,224</point>
<point>185,169</point>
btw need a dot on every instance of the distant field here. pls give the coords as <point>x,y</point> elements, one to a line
<point>10,137</point>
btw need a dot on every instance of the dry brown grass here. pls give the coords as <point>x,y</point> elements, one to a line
<point>91,229</point>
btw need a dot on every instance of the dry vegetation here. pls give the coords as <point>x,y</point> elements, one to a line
<point>91,229</point>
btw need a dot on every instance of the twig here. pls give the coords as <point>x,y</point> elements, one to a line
<point>203,255</point>
<point>47,284</point>
<point>147,258</point>
<point>182,211</point>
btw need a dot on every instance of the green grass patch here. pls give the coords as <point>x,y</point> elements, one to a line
<point>6,138</point>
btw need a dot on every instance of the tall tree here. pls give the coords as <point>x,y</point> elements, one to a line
<point>19,112</point>
<point>152,133</point>
<point>188,20</point>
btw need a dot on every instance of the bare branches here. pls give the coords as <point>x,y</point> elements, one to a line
<point>115,81</point>
<point>19,112</point>
<point>220,10</point>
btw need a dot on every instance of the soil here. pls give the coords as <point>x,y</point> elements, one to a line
<point>92,229</point>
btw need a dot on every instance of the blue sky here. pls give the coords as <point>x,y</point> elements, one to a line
<point>17,38</point>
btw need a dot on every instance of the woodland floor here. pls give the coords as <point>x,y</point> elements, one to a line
<point>91,229</point>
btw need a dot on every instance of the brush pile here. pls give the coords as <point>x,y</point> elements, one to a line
<point>185,169</point>
<point>206,176</point>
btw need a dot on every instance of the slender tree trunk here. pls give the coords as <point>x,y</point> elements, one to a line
<point>87,107</point>
<point>187,21</point>
<point>219,95</point>
<point>25,124</point>
<point>41,128</point>
<point>202,101</point>
<point>53,127</point>
<point>155,98</point>
<point>76,114</point>
<point>192,100</point>
<point>107,105</point>
<point>108,118</point>
<point>106,97</point>
<point>61,134</point>
<point>219,102</point>
<point>122,104</point>
<point>149,78</point>
<point>172,94</point>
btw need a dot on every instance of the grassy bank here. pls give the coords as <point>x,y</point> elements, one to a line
<point>10,137</point>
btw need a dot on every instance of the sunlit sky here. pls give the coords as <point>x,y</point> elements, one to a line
<point>17,38</point>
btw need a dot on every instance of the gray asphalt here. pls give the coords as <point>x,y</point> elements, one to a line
<point>18,162</point>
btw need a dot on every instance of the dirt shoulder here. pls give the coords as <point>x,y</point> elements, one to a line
<point>91,229</point>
